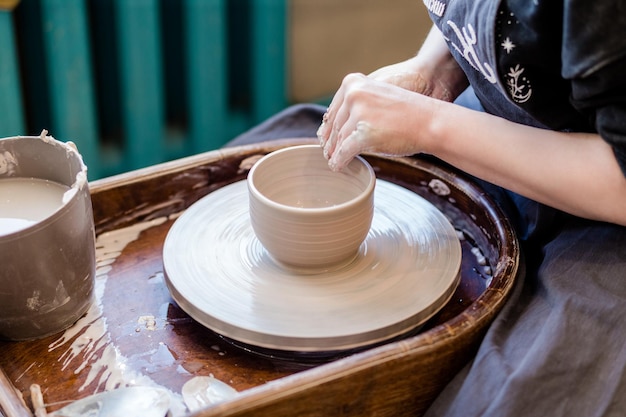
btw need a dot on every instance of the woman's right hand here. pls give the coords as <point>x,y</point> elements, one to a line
<point>368,115</point>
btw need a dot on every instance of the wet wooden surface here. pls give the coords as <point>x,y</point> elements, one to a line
<point>139,335</point>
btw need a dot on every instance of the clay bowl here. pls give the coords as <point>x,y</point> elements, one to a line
<point>306,215</point>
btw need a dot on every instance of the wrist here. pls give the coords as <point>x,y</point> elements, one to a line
<point>436,126</point>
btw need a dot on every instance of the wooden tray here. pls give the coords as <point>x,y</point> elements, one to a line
<point>146,335</point>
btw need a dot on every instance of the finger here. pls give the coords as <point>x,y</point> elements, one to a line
<point>345,123</point>
<point>339,130</point>
<point>354,144</point>
<point>322,129</point>
<point>328,119</point>
<point>331,124</point>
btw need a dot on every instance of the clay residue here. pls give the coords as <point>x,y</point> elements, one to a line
<point>8,163</point>
<point>439,187</point>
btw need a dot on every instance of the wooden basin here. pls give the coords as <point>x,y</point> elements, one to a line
<point>395,379</point>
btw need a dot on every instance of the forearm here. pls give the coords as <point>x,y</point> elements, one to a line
<point>574,172</point>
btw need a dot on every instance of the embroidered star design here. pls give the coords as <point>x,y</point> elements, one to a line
<point>507,45</point>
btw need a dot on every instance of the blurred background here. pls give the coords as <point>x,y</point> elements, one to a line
<point>138,82</point>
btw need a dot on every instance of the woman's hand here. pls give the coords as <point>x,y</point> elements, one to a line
<point>435,76</point>
<point>367,115</point>
<point>377,113</point>
<point>432,72</point>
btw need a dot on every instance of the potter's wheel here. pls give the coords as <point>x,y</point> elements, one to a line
<point>219,273</point>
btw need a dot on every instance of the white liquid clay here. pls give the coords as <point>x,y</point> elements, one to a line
<point>26,201</point>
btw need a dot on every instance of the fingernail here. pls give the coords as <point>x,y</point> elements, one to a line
<point>332,165</point>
